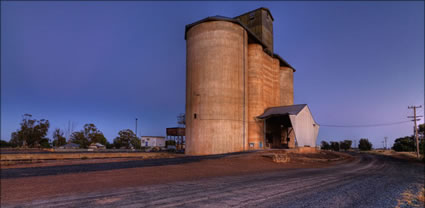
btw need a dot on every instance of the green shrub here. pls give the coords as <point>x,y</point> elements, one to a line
<point>335,146</point>
<point>325,145</point>
<point>170,142</point>
<point>364,144</point>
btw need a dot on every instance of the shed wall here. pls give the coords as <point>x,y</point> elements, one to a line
<point>306,129</point>
<point>153,142</point>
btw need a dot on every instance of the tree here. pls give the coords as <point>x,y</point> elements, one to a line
<point>364,144</point>
<point>45,143</point>
<point>136,143</point>
<point>421,130</point>
<point>93,134</point>
<point>90,134</point>
<point>170,143</point>
<point>325,145</point>
<point>404,144</point>
<point>126,138</point>
<point>4,144</point>
<point>32,132</point>
<point>58,138</point>
<point>16,140</point>
<point>345,145</point>
<point>109,145</point>
<point>335,146</point>
<point>79,138</point>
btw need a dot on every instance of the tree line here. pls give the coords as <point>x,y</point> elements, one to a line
<point>345,145</point>
<point>408,143</point>
<point>402,144</point>
<point>33,133</point>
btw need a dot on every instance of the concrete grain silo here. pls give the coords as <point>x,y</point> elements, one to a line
<point>256,103</point>
<point>286,88</point>
<point>286,82</point>
<point>216,88</point>
<point>263,88</point>
<point>239,93</point>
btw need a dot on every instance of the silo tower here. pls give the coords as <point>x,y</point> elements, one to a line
<point>216,87</point>
<point>239,93</point>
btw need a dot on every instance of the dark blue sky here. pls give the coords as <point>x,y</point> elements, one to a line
<point>109,62</point>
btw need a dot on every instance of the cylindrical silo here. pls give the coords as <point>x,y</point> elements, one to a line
<point>216,88</point>
<point>286,86</point>
<point>256,102</point>
<point>263,88</point>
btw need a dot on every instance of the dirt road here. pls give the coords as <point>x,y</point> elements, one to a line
<point>366,181</point>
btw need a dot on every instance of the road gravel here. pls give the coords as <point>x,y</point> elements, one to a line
<point>366,181</point>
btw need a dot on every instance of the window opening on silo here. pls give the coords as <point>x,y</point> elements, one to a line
<point>194,115</point>
<point>252,15</point>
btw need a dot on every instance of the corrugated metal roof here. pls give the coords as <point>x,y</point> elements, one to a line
<point>282,110</point>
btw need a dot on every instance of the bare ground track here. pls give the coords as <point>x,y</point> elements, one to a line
<point>366,181</point>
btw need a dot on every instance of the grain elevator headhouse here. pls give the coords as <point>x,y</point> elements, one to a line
<point>233,78</point>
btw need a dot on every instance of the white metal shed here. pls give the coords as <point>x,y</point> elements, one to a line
<point>302,121</point>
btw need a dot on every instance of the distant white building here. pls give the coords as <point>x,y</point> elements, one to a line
<point>97,146</point>
<point>70,146</point>
<point>153,141</point>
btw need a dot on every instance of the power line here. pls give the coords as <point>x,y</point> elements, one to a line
<point>365,125</point>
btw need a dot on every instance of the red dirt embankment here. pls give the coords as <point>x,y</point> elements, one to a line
<point>31,188</point>
<point>23,160</point>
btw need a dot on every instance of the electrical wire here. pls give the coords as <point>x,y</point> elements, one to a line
<point>365,125</point>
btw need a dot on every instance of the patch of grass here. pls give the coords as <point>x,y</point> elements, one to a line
<point>421,196</point>
<point>410,199</point>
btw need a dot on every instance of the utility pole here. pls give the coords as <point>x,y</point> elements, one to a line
<point>415,118</point>
<point>136,127</point>
<point>385,138</point>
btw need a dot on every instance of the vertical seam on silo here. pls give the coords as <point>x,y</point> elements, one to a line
<point>244,86</point>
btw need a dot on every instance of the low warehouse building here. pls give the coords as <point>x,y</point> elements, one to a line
<point>233,80</point>
<point>153,141</point>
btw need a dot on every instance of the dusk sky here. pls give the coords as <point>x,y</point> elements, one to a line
<point>106,63</point>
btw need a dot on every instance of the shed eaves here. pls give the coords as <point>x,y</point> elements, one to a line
<point>282,110</point>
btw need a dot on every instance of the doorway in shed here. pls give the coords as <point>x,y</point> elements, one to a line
<point>279,133</point>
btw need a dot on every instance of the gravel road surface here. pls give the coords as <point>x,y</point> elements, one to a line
<point>367,181</point>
